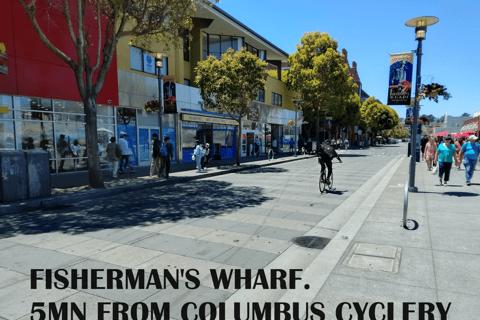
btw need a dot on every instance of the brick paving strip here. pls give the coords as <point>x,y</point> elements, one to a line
<point>67,195</point>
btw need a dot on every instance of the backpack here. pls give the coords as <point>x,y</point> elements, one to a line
<point>163,151</point>
<point>328,151</point>
<point>202,152</point>
<point>118,152</point>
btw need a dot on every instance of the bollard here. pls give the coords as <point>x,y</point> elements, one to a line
<point>405,205</point>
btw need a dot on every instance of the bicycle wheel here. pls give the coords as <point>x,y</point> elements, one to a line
<point>321,182</point>
<point>330,185</point>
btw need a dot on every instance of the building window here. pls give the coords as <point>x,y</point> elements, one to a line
<point>186,48</point>
<point>276,99</point>
<point>260,96</point>
<point>140,60</point>
<point>216,45</point>
<point>186,82</point>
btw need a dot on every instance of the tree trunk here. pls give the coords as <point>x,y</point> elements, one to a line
<point>239,140</point>
<point>317,127</point>
<point>95,178</point>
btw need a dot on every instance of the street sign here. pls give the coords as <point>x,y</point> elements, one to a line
<point>329,121</point>
<point>3,109</point>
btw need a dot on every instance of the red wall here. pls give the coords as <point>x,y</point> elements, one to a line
<point>33,70</point>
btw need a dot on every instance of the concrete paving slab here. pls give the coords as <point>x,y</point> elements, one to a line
<point>456,240</point>
<point>463,306</point>
<point>52,240</point>
<point>248,241</point>
<point>305,217</point>
<point>267,213</point>
<point>22,258</point>
<point>279,233</point>
<point>278,223</point>
<point>156,227</point>
<point>183,246</point>
<point>371,263</point>
<point>126,256</point>
<point>246,258</point>
<point>464,221</point>
<point>187,231</point>
<point>4,244</point>
<point>125,236</point>
<point>26,296</point>
<point>457,272</point>
<point>339,288</point>
<point>10,277</point>
<point>376,250</point>
<point>89,247</point>
<point>182,295</point>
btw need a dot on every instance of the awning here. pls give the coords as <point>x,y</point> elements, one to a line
<point>471,126</point>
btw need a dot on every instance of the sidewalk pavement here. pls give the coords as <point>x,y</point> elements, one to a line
<point>71,187</point>
<point>437,260</point>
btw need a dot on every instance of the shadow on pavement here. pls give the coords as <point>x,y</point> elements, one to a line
<point>346,155</point>
<point>196,199</point>
<point>336,192</point>
<point>453,193</point>
<point>262,170</point>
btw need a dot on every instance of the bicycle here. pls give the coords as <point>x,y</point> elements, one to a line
<point>323,183</point>
<point>271,154</point>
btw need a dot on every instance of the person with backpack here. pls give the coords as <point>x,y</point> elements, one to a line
<point>166,154</point>
<point>326,153</point>
<point>155,156</point>
<point>198,153</point>
<point>113,155</point>
<point>206,157</point>
<point>469,157</point>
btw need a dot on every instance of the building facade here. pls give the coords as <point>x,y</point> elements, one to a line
<point>49,115</point>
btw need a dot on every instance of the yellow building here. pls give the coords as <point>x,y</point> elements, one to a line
<point>213,33</point>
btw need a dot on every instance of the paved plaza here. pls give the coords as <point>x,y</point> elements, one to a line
<point>248,220</point>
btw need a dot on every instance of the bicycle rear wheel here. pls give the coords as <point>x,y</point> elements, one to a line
<point>330,185</point>
<point>321,182</point>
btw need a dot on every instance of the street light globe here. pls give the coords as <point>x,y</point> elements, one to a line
<point>158,55</point>
<point>420,24</point>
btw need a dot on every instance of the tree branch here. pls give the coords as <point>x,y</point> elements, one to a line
<point>68,19</point>
<point>99,48</point>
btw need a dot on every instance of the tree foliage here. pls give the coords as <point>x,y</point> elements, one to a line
<point>318,73</point>
<point>398,132</point>
<point>378,116</point>
<point>113,20</point>
<point>284,77</point>
<point>231,83</point>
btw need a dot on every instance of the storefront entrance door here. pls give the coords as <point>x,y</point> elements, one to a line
<point>145,145</point>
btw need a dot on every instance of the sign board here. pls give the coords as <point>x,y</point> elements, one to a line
<point>148,63</point>
<point>169,95</point>
<point>3,109</point>
<point>190,117</point>
<point>329,121</point>
<point>400,79</point>
<point>253,114</point>
<point>409,116</point>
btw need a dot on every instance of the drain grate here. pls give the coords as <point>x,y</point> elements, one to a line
<point>311,242</point>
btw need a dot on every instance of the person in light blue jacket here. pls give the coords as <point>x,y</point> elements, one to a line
<point>469,157</point>
<point>198,153</point>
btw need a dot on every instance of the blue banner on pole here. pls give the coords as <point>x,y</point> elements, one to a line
<point>400,79</point>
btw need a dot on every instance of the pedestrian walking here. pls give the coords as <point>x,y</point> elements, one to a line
<point>257,146</point>
<point>346,144</point>
<point>206,157</point>
<point>469,157</point>
<point>423,143</point>
<point>292,145</point>
<point>75,148</point>
<point>458,146</point>
<point>198,154</point>
<point>114,154</point>
<point>430,150</point>
<point>446,154</point>
<point>155,156</point>
<point>166,155</point>
<point>126,153</point>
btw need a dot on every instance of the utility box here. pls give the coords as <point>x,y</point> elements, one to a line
<point>38,173</point>
<point>13,176</point>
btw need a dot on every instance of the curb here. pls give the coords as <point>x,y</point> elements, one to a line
<point>53,202</point>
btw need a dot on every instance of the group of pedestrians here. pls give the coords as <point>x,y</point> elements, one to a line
<point>119,153</point>
<point>201,154</point>
<point>444,154</point>
<point>162,156</point>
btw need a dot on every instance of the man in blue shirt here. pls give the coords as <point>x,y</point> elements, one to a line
<point>469,154</point>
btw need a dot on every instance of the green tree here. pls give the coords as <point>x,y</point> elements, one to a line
<point>273,74</point>
<point>378,116</point>
<point>113,20</point>
<point>231,83</point>
<point>318,73</point>
<point>398,132</point>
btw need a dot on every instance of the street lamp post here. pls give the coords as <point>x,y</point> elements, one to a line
<point>159,63</point>
<point>420,24</point>
<point>296,117</point>
<point>325,125</point>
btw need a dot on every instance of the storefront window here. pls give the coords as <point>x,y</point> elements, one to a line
<point>103,110</point>
<point>6,135</point>
<point>6,101</point>
<point>229,140</point>
<point>126,121</point>
<point>69,107</point>
<point>26,103</point>
<point>189,134</point>
<point>71,145</point>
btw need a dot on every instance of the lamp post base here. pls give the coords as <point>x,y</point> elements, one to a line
<point>412,189</point>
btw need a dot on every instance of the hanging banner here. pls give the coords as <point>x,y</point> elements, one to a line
<point>409,116</point>
<point>329,121</point>
<point>169,95</point>
<point>400,80</point>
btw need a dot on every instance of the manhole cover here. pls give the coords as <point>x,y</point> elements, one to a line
<point>311,242</point>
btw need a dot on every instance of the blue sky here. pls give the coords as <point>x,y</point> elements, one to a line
<point>370,30</point>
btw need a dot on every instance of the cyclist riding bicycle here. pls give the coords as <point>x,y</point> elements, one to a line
<point>326,153</point>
